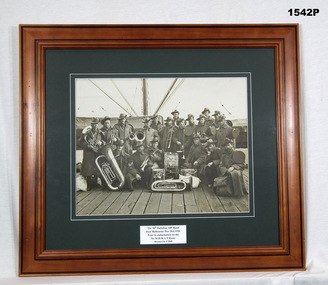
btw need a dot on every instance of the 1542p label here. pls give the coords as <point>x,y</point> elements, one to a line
<point>310,12</point>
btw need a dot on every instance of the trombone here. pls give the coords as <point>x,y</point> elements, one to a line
<point>170,139</point>
<point>183,142</point>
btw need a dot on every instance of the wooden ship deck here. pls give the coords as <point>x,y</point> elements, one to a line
<point>143,201</point>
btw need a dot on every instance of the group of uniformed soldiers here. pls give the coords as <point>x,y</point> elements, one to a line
<point>200,146</point>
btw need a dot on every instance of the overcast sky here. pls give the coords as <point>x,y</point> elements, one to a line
<point>94,96</point>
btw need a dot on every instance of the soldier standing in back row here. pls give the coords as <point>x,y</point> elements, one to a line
<point>175,117</point>
<point>179,136</point>
<point>155,123</point>
<point>206,112</point>
<point>149,132</point>
<point>125,130</point>
<point>202,129</point>
<point>108,134</point>
<point>222,129</point>
<point>166,135</point>
<point>189,130</point>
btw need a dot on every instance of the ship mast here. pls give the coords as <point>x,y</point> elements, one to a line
<point>145,97</point>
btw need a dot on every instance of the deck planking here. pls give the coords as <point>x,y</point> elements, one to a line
<point>153,203</point>
<point>142,201</point>
<point>178,206</point>
<point>130,202</point>
<point>106,204</point>
<point>201,201</point>
<point>190,202</point>
<point>166,203</point>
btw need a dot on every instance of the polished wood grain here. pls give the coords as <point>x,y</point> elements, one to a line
<point>35,260</point>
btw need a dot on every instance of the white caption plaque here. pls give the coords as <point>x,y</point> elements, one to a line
<point>176,234</point>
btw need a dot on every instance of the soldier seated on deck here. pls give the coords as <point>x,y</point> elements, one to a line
<point>197,154</point>
<point>156,155</point>
<point>139,168</point>
<point>213,159</point>
<point>231,180</point>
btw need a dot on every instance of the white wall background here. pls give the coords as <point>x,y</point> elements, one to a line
<point>314,66</point>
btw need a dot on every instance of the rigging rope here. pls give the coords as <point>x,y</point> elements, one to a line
<point>109,96</point>
<point>225,108</point>
<point>119,91</point>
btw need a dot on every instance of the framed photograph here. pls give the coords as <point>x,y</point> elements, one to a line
<point>160,148</point>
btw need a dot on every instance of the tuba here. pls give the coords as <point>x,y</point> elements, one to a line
<point>138,135</point>
<point>110,170</point>
<point>169,185</point>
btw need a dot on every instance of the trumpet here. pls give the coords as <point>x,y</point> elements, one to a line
<point>144,163</point>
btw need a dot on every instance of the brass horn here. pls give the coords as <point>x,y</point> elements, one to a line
<point>169,185</point>
<point>86,129</point>
<point>138,135</point>
<point>91,141</point>
<point>110,170</point>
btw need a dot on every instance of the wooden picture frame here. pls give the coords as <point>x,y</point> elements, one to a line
<point>285,251</point>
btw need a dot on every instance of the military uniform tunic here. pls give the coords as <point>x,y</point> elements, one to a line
<point>135,162</point>
<point>236,182</point>
<point>88,167</point>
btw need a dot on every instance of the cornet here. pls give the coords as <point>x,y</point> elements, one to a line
<point>144,163</point>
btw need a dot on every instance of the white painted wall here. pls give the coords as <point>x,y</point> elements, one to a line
<point>314,65</point>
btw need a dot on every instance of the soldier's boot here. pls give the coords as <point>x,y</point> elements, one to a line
<point>89,183</point>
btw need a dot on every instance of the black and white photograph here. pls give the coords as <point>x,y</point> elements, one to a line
<point>149,145</point>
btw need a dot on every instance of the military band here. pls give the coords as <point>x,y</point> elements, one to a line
<point>207,147</point>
